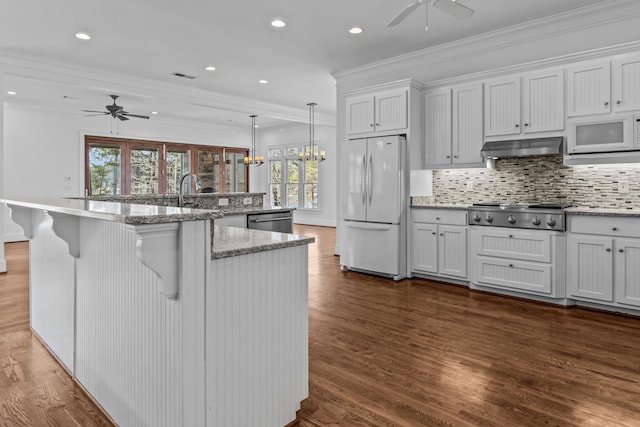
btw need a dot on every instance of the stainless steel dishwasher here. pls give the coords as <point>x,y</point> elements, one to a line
<point>281,222</point>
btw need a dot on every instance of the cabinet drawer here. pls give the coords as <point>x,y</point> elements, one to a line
<point>605,225</point>
<point>440,216</point>
<point>513,244</point>
<point>518,275</point>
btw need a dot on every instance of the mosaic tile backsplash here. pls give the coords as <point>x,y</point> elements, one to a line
<point>538,179</point>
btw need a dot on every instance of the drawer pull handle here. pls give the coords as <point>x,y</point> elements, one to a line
<point>608,249</point>
<point>614,228</point>
<point>620,250</point>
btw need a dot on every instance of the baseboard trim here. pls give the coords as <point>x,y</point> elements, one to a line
<point>14,237</point>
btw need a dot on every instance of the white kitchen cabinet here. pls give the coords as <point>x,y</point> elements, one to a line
<point>520,260</point>
<point>604,260</point>
<point>377,112</point>
<point>531,103</point>
<point>439,242</point>
<point>502,113</point>
<point>453,126</point>
<point>625,82</point>
<point>605,86</point>
<point>239,221</point>
<point>589,88</point>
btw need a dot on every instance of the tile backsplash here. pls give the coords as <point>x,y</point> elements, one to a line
<point>538,179</point>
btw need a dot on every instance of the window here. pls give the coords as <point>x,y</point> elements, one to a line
<point>292,184</point>
<point>115,166</point>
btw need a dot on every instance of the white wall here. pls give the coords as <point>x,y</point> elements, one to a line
<point>44,150</point>
<point>298,134</point>
<point>3,263</point>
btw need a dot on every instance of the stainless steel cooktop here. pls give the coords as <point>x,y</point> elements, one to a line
<point>539,216</point>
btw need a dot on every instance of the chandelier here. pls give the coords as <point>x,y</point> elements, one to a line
<point>253,158</point>
<point>311,153</point>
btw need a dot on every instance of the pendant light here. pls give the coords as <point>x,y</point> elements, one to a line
<point>253,159</point>
<point>310,155</point>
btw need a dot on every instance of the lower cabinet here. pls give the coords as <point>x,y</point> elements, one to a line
<point>518,260</point>
<point>239,221</point>
<point>439,243</point>
<point>604,260</point>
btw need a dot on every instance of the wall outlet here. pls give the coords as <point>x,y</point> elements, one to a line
<point>623,186</point>
<point>469,185</point>
<point>247,201</point>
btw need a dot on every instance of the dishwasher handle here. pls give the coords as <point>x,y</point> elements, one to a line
<point>287,218</point>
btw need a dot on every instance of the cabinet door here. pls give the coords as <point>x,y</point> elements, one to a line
<point>590,272</point>
<point>360,115</point>
<point>424,253</point>
<point>589,90</point>
<point>502,107</point>
<point>626,83</point>
<point>543,101</point>
<point>627,271</point>
<point>437,127</point>
<point>452,251</point>
<point>391,111</point>
<point>467,135</point>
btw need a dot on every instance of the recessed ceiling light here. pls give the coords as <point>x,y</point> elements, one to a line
<point>355,30</point>
<point>11,92</point>
<point>263,82</point>
<point>154,112</point>
<point>210,68</point>
<point>83,36</point>
<point>278,23</point>
<point>256,126</point>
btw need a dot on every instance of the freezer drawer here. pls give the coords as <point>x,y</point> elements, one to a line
<point>371,247</point>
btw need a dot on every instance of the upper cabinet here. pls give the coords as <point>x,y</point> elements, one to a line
<point>378,112</point>
<point>604,86</point>
<point>533,102</point>
<point>453,126</point>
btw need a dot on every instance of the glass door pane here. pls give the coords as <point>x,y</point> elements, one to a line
<point>144,171</point>
<point>178,163</point>
<point>209,170</point>
<point>235,169</point>
<point>105,171</point>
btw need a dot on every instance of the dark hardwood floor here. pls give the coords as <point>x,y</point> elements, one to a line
<point>422,353</point>
<point>412,353</point>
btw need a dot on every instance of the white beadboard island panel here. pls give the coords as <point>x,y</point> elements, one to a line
<point>257,337</point>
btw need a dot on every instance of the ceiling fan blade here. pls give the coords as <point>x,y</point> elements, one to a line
<point>92,115</point>
<point>134,115</point>
<point>453,8</point>
<point>406,12</point>
<point>94,111</point>
<point>121,117</point>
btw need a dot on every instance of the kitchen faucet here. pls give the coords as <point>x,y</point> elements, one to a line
<point>180,192</point>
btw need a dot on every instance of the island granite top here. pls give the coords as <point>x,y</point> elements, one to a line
<point>233,241</point>
<point>126,213</point>
<point>603,211</point>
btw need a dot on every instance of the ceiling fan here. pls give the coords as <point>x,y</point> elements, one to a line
<point>451,7</point>
<point>116,111</point>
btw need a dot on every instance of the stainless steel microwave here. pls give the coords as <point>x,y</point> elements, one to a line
<point>604,134</point>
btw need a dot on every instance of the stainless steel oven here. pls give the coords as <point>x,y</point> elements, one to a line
<point>281,222</point>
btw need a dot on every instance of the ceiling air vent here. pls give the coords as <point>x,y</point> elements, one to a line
<point>183,75</point>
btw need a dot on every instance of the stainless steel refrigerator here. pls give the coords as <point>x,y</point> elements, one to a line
<point>373,205</point>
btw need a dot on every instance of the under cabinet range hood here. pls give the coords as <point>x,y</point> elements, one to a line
<point>522,147</point>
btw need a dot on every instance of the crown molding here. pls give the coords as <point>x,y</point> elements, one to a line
<point>398,84</point>
<point>604,13</point>
<point>65,73</point>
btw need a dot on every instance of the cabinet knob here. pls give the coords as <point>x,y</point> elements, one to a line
<point>510,265</point>
<point>377,124</point>
<point>455,157</point>
<point>448,157</point>
<point>606,103</point>
<point>517,125</point>
<point>608,249</point>
<point>620,250</point>
<point>433,233</point>
<point>614,228</point>
<point>618,102</point>
<point>437,218</point>
<point>442,234</point>
<point>526,124</point>
<point>371,124</point>
<point>511,236</point>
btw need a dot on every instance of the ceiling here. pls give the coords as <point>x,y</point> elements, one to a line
<point>145,40</point>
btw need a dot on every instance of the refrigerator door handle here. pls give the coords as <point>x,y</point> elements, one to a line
<point>370,178</point>
<point>363,177</point>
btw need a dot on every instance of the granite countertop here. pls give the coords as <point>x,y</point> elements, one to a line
<point>126,213</point>
<point>254,210</point>
<point>603,211</point>
<point>233,241</point>
<point>441,206</point>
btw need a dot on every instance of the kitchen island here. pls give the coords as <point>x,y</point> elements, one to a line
<point>165,319</point>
